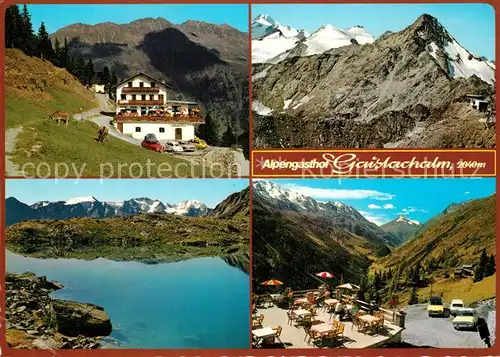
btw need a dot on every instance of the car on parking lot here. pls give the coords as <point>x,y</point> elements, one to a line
<point>150,142</point>
<point>199,143</point>
<point>455,305</point>
<point>466,319</point>
<point>435,306</point>
<point>173,146</point>
<point>187,146</point>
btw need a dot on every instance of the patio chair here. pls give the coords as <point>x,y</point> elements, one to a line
<point>340,330</point>
<point>278,330</point>
<point>291,317</point>
<point>257,323</point>
<point>313,336</point>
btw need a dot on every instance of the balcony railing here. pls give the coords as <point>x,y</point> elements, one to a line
<point>140,102</point>
<point>133,117</point>
<point>140,90</point>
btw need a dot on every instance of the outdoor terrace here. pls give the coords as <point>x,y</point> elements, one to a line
<point>140,102</point>
<point>362,331</point>
<point>160,118</point>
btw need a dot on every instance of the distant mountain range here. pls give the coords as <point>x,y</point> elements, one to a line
<point>348,89</point>
<point>17,211</point>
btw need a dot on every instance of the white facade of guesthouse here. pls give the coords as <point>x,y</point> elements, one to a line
<point>163,132</point>
<point>135,98</point>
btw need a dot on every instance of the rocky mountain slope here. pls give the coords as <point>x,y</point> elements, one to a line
<point>203,62</point>
<point>402,227</point>
<point>17,211</point>
<point>450,240</point>
<point>406,89</point>
<point>34,320</point>
<point>293,239</point>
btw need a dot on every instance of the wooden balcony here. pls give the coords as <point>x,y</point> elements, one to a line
<point>140,102</point>
<point>140,90</point>
<point>133,117</point>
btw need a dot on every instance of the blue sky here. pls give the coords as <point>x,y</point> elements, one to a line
<point>209,191</point>
<point>382,200</point>
<point>473,25</point>
<point>57,16</point>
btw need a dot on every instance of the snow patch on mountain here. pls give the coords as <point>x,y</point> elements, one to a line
<point>191,208</point>
<point>464,64</point>
<point>77,200</point>
<point>328,37</point>
<point>403,219</point>
<point>271,46</point>
<point>260,108</point>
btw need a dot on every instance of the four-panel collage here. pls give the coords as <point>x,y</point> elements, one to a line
<point>133,219</point>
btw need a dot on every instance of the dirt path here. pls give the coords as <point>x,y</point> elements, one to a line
<point>11,169</point>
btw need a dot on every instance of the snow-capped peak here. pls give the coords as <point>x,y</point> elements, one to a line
<point>264,20</point>
<point>403,219</point>
<point>77,200</point>
<point>329,36</point>
<point>191,208</point>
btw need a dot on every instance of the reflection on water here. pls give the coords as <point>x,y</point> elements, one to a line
<point>198,303</point>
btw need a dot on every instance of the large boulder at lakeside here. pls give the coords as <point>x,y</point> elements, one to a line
<point>74,319</point>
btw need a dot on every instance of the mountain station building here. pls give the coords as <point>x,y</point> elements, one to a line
<point>143,107</point>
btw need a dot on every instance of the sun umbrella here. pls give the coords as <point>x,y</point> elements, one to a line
<point>348,286</point>
<point>324,274</point>
<point>272,282</point>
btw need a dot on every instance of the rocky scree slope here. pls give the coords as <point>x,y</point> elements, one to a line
<point>404,89</point>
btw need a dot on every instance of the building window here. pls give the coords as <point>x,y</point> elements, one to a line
<point>130,84</point>
<point>134,97</point>
<point>143,97</point>
<point>153,84</point>
<point>160,97</point>
<point>141,84</point>
<point>162,130</point>
<point>123,96</point>
<point>137,129</point>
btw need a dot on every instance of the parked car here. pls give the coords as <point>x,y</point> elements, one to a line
<point>150,142</point>
<point>199,143</point>
<point>173,146</point>
<point>435,306</point>
<point>466,319</point>
<point>455,305</point>
<point>187,146</point>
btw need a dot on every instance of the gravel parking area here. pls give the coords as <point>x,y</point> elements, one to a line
<point>422,330</point>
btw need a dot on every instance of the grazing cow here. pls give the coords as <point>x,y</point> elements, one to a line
<point>102,134</point>
<point>59,116</point>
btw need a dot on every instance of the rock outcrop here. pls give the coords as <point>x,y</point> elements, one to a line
<point>34,320</point>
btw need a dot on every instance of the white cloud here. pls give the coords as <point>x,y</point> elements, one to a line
<point>389,206</point>
<point>340,194</point>
<point>467,193</point>
<point>372,206</point>
<point>409,210</point>
<point>374,218</point>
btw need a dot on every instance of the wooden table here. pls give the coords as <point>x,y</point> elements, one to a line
<point>301,312</point>
<point>322,328</point>
<point>369,318</point>
<point>263,333</point>
<point>331,302</point>
<point>301,301</point>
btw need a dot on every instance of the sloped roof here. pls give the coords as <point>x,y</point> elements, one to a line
<point>145,75</point>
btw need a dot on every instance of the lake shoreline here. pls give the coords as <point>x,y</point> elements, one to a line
<point>35,320</point>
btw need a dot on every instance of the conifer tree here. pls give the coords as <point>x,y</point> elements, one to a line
<point>44,45</point>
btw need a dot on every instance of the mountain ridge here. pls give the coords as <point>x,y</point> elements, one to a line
<point>406,89</point>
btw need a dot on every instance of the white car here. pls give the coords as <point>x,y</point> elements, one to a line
<point>466,319</point>
<point>173,146</point>
<point>455,305</point>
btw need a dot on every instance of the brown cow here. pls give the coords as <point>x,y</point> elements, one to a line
<point>102,134</point>
<point>59,116</point>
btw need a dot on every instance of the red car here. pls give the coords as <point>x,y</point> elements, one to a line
<point>151,143</point>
